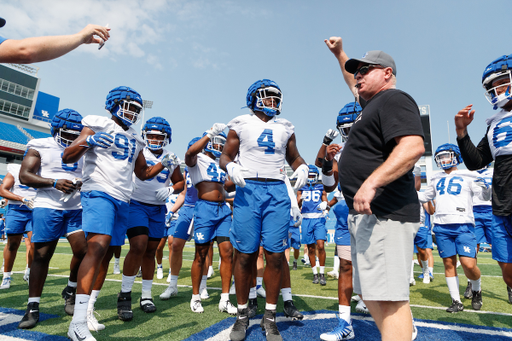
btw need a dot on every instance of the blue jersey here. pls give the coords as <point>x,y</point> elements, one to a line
<point>311,197</point>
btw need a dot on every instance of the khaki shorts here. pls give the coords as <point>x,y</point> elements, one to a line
<point>382,250</point>
<point>344,252</point>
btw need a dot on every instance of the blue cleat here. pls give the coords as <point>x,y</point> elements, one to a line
<point>344,331</point>
<point>431,276</point>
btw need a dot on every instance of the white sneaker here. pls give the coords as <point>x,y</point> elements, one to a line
<point>333,274</point>
<point>260,290</point>
<point>172,290</point>
<point>210,272</point>
<point>227,307</point>
<point>6,283</point>
<point>355,298</point>
<point>361,308</point>
<point>412,282</point>
<point>78,331</point>
<point>159,272</point>
<point>169,277</point>
<point>414,331</point>
<point>92,322</point>
<point>117,271</point>
<point>232,290</point>
<point>26,276</point>
<point>426,278</point>
<point>204,294</point>
<point>416,262</point>
<point>196,306</point>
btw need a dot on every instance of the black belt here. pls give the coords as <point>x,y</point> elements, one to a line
<point>264,179</point>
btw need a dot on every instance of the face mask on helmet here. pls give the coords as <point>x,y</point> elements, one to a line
<point>313,174</point>
<point>65,137</point>
<point>66,127</point>
<point>346,118</point>
<point>155,140</point>
<point>446,159</point>
<point>268,100</point>
<point>128,112</point>
<point>497,80</point>
<point>124,103</point>
<point>216,145</point>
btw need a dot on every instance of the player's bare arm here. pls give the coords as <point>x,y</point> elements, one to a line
<point>230,149</point>
<point>78,148</point>
<point>5,188</point>
<point>292,154</point>
<point>462,119</point>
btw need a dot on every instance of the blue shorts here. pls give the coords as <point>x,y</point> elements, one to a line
<point>261,213</point>
<point>502,239</point>
<point>313,229</point>
<point>184,224</point>
<point>422,238</point>
<point>211,219</point>
<point>169,232</point>
<point>18,219</point>
<point>341,236</point>
<point>52,224</point>
<point>103,214</point>
<point>483,223</point>
<point>293,236</point>
<point>455,239</point>
<point>150,216</point>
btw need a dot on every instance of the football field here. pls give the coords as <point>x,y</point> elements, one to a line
<point>174,320</point>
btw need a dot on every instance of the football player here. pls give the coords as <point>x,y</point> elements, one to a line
<point>313,202</point>
<point>453,220</point>
<point>212,217</point>
<point>57,209</point>
<point>261,210</point>
<point>112,152</point>
<point>146,224</point>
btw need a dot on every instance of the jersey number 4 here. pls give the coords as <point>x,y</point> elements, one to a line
<point>452,188</point>
<point>269,144</point>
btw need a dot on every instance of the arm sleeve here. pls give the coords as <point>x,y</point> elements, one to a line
<point>475,157</point>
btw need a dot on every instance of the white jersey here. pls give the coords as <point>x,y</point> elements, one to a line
<point>109,170</point>
<point>486,174</point>
<point>453,193</point>
<point>145,191</point>
<point>262,145</point>
<point>206,169</point>
<point>18,188</point>
<point>498,135</point>
<point>52,167</point>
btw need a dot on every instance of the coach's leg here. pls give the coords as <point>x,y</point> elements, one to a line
<point>393,318</point>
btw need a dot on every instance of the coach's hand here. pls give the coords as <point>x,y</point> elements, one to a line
<point>363,198</point>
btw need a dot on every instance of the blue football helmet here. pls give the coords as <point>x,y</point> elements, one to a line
<point>216,144</point>
<point>346,118</point>
<point>265,96</point>
<point>66,126</point>
<point>124,103</point>
<point>194,140</point>
<point>157,126</point>
<point>447,156</point>
<point>498,70</point>
<point>313,174</point>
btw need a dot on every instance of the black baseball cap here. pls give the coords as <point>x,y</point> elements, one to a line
<point>2,22</point>
<point>373,58</point>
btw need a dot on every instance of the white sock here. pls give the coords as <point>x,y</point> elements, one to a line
<point>203,283</point>
<point>116,260</point>
<point>210,268</point>
<point>431,270</point>
<point>322,270</point>
<point>81,304</point>
<point>476,285</point>
<point>7,274</point>
<point>127,283</point>
<point>34,299</point>
<point>72,284</point>
<point>174,280</point>
<point>453,287</point>
<point>224,296</point>
<point>93,299</point>
<point>196,297</point>
<point>344,311</point>
<point>269,306</point>
<point>242,306</point>
<point>424,263</point>
<point>315,271</point>
<point>252,293</point>
<point>146,288</point>
<point>336,266</point>
<point>287,294</point>
<point>259,281</point>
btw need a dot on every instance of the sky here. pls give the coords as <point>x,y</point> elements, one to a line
<point>196,59</point>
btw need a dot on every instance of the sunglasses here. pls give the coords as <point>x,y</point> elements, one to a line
<point>363,70</point>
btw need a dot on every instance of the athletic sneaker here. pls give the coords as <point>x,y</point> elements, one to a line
<point>252,307</point>
<point>204,294</point>
<point>172,290</point>
<point>316,280</point>
<point>210,272</point>
<point>92,322</point>
<point>124,306</point>
<point>426,279</point>
<point>305,261</point>
<point>196,306</point>
<point>469,291</point>
<point>31,316</point>
<point>294,266</point>
<point>455,307</point>
<point>227,307</point>
<point>260,291</point>
<point>78,331</point>
<point>355,298</point>
<point>147,305</point>
<point>322,279</point>
<point>414,331</point>
<point>240,327</point>
<point>6,283</point>
<point>431,276</point>
<point>291,311</point>
<point>117,271</point>
<point>159,272</point>
<point>344,331</point>
<point>333,274</point>
<point>361,307</point>
<point>69,295</point>
<point>509,291</point>
<point>412,282</point>
<point>169,278</point>
<point>476,300</point>
<point>268,324</point>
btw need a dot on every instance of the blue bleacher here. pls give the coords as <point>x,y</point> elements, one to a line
<point>9,132</point>
<point>37,134</point>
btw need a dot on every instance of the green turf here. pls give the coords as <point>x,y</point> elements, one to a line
<point>174,320</point>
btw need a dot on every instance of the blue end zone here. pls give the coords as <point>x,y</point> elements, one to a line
<point>11,329</point>
<point>318,322</point>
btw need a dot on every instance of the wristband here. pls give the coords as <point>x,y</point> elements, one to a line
<point>326,166</point>
<point>328,180</point>
<point>55,183</point>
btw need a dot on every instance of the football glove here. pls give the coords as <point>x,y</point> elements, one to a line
<point>301,173</point>
<point>329,136</point>
<point>170,161</point>
<point>100,139</point>
<point>482,183</point>
<point>235,172</point>
<point>29,202</point>
<point>163,193</point>
<point>168,218</point>
<point>296,216</point>
<point>216,130</point>
<point>322,206</point>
